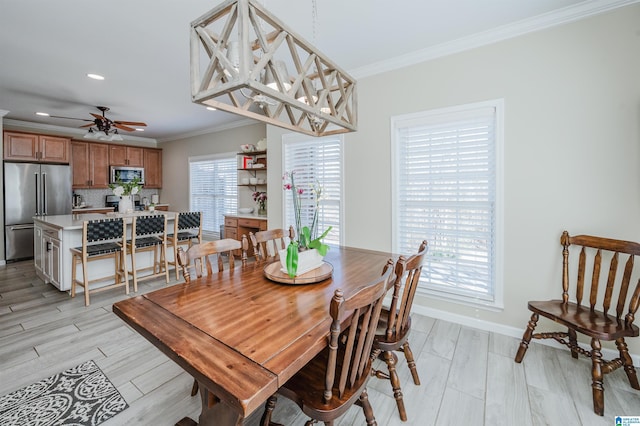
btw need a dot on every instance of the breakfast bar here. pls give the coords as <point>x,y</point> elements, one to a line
<point>55,235</point>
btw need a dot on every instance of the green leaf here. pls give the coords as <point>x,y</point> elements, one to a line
<point>292,259</point>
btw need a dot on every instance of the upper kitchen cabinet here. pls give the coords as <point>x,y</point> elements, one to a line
<point>121,155</point>
<point>152,168</point>
<point>89,165</point>
<point>33,147</point>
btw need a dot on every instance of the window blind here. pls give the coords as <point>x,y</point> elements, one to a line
<point>214,190</point>
<point>445,181</point>
<point>316,161</point>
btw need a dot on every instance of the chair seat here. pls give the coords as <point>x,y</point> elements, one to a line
<point>147,241</point>
<point>102,248</point>
<point>589,322</point>
<point>306,388</point>
<point>183,236</point>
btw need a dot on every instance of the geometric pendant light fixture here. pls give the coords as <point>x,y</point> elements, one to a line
<point>246,61</point>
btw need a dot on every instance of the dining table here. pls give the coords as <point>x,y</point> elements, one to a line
<point>242,335</point>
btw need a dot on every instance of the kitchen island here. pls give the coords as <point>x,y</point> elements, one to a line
<point>54,236</point>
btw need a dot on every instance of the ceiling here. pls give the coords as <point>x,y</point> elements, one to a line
<point>142,48</point>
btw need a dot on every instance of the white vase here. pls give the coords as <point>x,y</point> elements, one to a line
<point>307,260</point>
<point>125,205</point>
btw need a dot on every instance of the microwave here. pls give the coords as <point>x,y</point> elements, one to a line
<point>126,174</point>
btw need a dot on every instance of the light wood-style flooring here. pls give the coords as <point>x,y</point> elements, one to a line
<point>468,375</point>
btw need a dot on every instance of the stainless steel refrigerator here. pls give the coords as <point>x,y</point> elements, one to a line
<point>32,189</point>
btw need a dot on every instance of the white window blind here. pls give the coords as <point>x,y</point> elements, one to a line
<point>214,190</point>
<point>445,192</point>
<point>315,161</point>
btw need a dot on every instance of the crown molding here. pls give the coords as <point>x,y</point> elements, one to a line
<point>547,20</point>
<point>66,131</point>
<point>220,128</point>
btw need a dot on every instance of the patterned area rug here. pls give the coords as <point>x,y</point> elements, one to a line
<point>79,396</point>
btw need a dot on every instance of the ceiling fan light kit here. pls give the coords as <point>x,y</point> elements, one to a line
<point>240,53</point>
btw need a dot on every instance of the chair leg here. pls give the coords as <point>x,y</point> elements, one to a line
<point>85,279</point>
<point>391,359</point>
<point>408,354</point>
<point>73,275</point>
<point>366,407</point>
<point>194,388</point>
<point>175,257</point>
<point>134,270</point>
<point>268,410</point>
<point>526,338</point>
<point>627,362</point>
<point>165,264</point>
<point>596,375</point>
<point>573,342</point>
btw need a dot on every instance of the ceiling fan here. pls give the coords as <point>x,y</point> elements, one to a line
<point>104,128</point>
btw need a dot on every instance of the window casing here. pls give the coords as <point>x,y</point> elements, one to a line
<point>447,180</point>
<point>213,189</point>
<point>315,160</point>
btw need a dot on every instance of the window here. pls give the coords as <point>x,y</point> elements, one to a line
<point>447,180</point>
<point>213,190</point>
<point>316,160</point>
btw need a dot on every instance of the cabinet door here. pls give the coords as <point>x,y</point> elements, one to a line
<point>121,155</point>
<point>20,146</point>
<point>37,248</point>
<point>99,165</point>
<point>152,168</point>
<point>54,149</point>
<point>80,165</point>
<point>55,269</point>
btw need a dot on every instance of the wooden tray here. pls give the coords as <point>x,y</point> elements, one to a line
<point>273,271</point>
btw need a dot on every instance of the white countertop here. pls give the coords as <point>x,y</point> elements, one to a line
<point>74,221</point>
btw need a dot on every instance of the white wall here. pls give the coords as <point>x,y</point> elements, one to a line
<point>175,158</point>
<point>572,122</point>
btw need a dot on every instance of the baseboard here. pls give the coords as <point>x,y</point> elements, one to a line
<point>505,330</point>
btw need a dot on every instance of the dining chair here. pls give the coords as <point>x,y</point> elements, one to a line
<point>336,378</point>
<point>187,229</point>
<point>199,254</point>
<point>101,239</point>
<point>149,234</point>
<point>266,244</point>
<point>594,253</point>
<point>395,324</point>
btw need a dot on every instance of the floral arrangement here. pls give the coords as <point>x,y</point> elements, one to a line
<point>126,188</point>
<point>307,236</point>
<point>261,199</point>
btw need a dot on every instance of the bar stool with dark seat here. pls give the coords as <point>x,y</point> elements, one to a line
<point>101,239</point>
<point>149,233</point>
<point>187,230</point>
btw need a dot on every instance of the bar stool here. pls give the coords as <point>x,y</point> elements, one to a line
<point>149,233</point>
<point>101,239</point>
<point>187,229</point>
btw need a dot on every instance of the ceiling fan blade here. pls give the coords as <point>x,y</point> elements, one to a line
<point>70,118</point>
<point>130,123</point>
<point>88,125</point>
<point>123,127</point>
<point>99,117</point>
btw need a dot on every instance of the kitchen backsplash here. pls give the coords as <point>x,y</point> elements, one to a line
<point>96,197</point>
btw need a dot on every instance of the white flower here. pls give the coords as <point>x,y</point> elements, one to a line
<point>134,190</point>
<point>118,191</point>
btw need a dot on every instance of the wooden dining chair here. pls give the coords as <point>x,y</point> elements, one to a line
<point>395,324</point>
<point>198,256</point>
<point>266,244</point>
<point>336,378</point>
<point>101,239</point>
<point>149,234</point>
<point>586,319</point>
<point>187,231</point>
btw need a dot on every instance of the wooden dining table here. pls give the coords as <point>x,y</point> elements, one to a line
<point>241,335</point>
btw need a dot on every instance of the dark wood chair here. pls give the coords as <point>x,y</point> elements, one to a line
<point>187,230</point>
<point>199,255</point>
<point>267,243</point>
<point>586,319</point>
<point>336,378</point>
<point>395,324</point>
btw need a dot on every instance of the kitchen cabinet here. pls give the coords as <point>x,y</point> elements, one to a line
<point>48,261</point>
<point>20,146</point>
<point>152,168</point>
<point>89,165</point>
<point>122,155</point>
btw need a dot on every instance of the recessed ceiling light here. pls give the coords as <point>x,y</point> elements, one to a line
<point>139,130</point>
<point>44,114</point>
<point>95,76</point>
<point>211,108</point>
